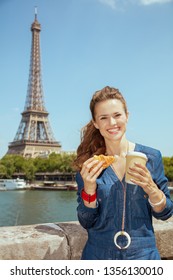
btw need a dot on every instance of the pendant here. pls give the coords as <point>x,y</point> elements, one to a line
<point>122,232</point>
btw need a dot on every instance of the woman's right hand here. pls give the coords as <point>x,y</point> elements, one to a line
<point>91,169</point>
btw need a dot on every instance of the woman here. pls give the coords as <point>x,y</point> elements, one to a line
<point>117,215</point>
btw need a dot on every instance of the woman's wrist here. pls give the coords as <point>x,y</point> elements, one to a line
<point>90,189</point>
<point>157,200</point>
<point>88,197</point>
<point>89,200</point>
<point>158,203</point>
<point>155,195</point>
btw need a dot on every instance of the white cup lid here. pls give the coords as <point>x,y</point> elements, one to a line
<point>137,154</point>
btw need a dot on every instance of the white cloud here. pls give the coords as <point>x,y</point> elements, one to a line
<point>114,4</point>
<point>150,2</point>
<point>110,3</point>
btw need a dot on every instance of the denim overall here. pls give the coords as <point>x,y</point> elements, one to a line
<point>104,221</point>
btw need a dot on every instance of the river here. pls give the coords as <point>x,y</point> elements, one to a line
<point>26,207</point>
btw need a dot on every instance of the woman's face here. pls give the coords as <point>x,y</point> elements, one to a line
<point>110,119</point>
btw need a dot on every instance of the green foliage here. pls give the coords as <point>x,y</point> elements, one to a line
<point>29,169</point>
<point>3,171</point>
<point>11,164</point>
<point>168,167</point>
<point>65,162</point>
<point>62,162</point>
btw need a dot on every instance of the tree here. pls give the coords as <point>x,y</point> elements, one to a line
<point>54,162</point>
<point>29,169</point>
<point>66,162</point>
<point>3,171</point>
<point>41,164</point>
<point>8,162</point>
<point>62,162</point>
<point>168,167</point>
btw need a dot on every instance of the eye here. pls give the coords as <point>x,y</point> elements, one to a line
<point>117,115</point>
<point>103,118</point>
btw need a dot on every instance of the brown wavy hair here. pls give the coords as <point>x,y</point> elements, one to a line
<point>92,142</point>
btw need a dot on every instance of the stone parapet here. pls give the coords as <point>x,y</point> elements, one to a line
<point>64,241</point>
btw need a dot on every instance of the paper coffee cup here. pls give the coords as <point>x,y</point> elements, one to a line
<point>131,159</point>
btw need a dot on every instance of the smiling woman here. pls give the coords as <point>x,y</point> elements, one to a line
<point>118,214</point>
<point>111,119</point>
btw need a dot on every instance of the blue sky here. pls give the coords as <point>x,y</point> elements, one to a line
<point>86,45</point>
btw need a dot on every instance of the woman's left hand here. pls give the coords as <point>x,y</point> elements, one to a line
<point>143,178</point>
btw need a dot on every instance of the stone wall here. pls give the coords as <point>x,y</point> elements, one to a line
<point>64,241</point>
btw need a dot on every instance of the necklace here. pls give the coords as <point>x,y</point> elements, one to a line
<point>122,232</point>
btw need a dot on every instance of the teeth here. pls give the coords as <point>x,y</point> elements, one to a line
<point>113,130</point>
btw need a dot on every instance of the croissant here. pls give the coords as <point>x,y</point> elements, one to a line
<point>107,160</point>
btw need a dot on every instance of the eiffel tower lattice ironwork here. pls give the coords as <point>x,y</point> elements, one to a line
<point>34,135</point>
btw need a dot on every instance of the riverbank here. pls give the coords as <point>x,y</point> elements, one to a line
<point>42,185</point>
<point>51,185</point>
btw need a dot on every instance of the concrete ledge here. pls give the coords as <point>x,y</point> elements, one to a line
<point>164,238</point>
<point>64,241</point>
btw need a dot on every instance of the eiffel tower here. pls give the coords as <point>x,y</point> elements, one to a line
<point>34,136</point>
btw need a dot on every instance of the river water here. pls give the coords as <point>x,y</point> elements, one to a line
<point>26,207</point>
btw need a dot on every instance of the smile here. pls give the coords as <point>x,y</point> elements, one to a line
<point>113,130</point>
